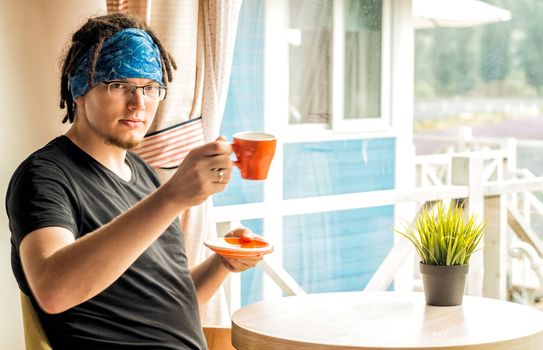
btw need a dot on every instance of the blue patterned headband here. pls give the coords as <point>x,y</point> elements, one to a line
<point>129,53</point>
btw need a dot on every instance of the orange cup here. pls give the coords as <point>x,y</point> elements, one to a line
<point>254,151</point>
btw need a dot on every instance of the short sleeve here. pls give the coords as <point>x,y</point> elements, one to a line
<point>40,195</point>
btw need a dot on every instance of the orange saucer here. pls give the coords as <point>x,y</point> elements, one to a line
<point>234,247</point>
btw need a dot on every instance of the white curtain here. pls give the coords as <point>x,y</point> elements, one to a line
<point>201,36</point>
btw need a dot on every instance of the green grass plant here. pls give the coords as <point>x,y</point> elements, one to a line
<point>442,236</point>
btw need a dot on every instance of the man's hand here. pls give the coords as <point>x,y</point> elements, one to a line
<point>206,170</point>
<point>209,275</point>
<point>241,264</point>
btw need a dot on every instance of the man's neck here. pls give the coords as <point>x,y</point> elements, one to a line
<point>109,155</point>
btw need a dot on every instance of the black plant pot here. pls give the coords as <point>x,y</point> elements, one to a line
<point>443,285</point>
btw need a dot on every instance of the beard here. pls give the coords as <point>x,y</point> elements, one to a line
<point>126,145</point>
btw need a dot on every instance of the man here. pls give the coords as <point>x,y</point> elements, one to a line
<point>96,243</point>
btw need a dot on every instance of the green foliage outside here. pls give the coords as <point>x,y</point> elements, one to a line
<point>495,52</point>
<point>442,237</point>
<point>498,59</point>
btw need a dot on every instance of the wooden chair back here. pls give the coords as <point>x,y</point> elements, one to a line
<point>218,338</point>
<point>35,338</point>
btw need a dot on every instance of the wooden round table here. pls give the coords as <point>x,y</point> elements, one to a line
<point>385,320</point>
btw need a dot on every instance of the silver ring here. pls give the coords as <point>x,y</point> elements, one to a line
<point>220,172</point>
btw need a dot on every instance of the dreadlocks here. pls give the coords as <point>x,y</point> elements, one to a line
<point>92,37</point>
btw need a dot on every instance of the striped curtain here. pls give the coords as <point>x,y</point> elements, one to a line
<point>201,36</point>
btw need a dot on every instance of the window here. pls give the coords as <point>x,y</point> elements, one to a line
<point>334,62</point>
<point>305,70</point>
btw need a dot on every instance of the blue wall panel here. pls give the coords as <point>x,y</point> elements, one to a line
<point>337,167</point>
<point>337,251</point>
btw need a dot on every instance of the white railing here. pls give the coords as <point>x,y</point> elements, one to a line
<point>487,179</point>
<point>523,209</point>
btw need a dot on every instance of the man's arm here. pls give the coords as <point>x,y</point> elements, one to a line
<point>63,272</point>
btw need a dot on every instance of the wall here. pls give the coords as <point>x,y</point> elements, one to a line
<point>34,33</point>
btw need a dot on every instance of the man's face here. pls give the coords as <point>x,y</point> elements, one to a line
<point>121,120</point>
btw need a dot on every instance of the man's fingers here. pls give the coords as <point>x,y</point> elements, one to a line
<point>248,236</point>
<point>216,148</point>
<point>245,234</point>
<point>218,162</point>
<point>240,264</point>
<point>221,176</point>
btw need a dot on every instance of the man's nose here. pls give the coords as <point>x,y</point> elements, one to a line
<point>137,100</point>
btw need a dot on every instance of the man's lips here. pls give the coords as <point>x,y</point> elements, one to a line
<point>133,123</point>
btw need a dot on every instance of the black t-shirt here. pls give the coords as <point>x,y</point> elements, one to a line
<point>153,304</point>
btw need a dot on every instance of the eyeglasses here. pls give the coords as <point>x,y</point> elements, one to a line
<point>124,89</point>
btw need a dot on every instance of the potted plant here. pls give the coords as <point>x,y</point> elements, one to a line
<point>444,241</point>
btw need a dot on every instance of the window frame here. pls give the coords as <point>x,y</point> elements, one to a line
<point>339,122</point>
<point>277,80</point>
